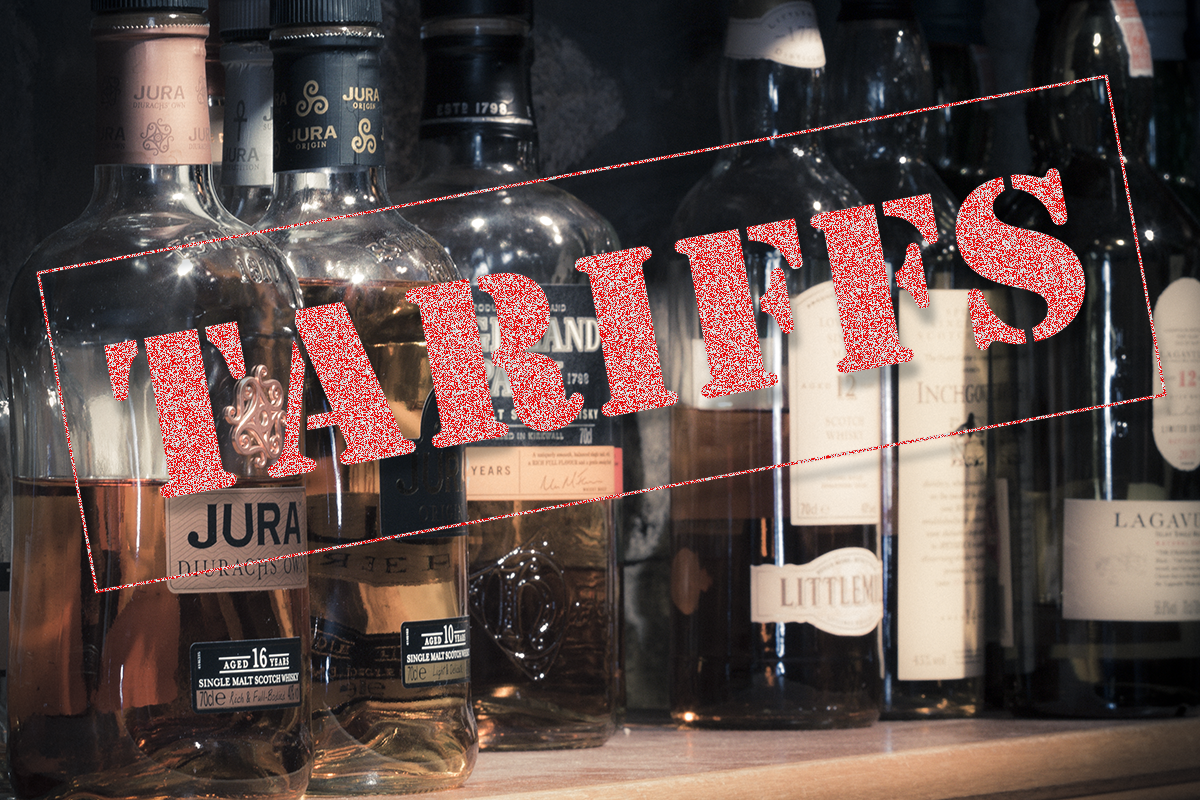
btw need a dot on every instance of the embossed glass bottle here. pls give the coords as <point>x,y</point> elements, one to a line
<point>934,500</point>
<point>544,587</point>
<point>378,725</point>
<point>745,652</point>
<point>121,693</point>
<point>1107,613</point>
<point>246,159</point>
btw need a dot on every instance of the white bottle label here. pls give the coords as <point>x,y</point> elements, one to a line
<point>830,413</point>
<point>577,472</point>
<point>1131,560</point>
<point>225,529</point>
<point>941,493</point>
<point>1177,416</point>
<point>840,592</point>
<point>1141,64</point>
<point>787,34</point>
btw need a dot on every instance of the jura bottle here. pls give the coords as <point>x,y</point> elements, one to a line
<point>1107,502</point>
<point>934,499</point>
<point>246,162</point>
<point>381,723</point>
<point>122,684</point>
<point>544,587</point>
<point>760,639</point>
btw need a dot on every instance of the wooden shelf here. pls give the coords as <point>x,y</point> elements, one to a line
<point>978,758</point>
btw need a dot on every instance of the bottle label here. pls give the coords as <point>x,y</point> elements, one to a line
<point>327,109</point>
<point>941,492</point>
<point>224,529</point>
<point>1131,560</point>
<point>579,461</point>
<point>1177,416</point>
<point>830,413</point>
<point>349,664</point>
<point>152,103</point>
<point>246,676</point>
<point>1141,64</point>
<point>424,489</point>
<point>247,155</point>
<point>787,34</point>
<point>840,592</point>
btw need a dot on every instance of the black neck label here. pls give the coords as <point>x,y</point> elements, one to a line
<point>473,80</point>
<point>327,109</point>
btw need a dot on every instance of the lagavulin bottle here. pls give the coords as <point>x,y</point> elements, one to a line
<point>198,685</point>
<point>544,587</point>
<point>935,498</point>
<point>380,612</point>
<point>759,637</point>
<point>1106,503</point>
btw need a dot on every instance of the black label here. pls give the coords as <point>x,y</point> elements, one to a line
<point>246,676</point>
<point>436,652</point>
<point>572,339</point>
<point>426,488</point>
<point>471,80</point>
<point>327,108</point>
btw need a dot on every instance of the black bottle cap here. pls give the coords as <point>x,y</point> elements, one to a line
<point>435,9</point>
<point>195,6</point>
<point>951,21</point>
<point>245,19</point>
<point>326,12</point>
<point>876,9</point>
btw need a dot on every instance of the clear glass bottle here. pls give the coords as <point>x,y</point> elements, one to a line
<point>377,727</point>
<point>1099,629</point>
<point>107,694</point>
<point>734,540</point>
<point>246,160</point>
<point>545,668</point>
<point>934,498</point>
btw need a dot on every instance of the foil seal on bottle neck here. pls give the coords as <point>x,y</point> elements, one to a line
<point>785,33</point>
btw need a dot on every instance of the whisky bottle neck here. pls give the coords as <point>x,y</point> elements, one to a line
<point>478,107</point>
<point>246,158</point>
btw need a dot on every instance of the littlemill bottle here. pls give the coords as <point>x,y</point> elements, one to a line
<point>378,727</point>
<point>754,645</point>
<point>246,161</point>
<point>934,499</point>
<point>1106,605</point>
<point>545,669</point>
<point>150,690</point>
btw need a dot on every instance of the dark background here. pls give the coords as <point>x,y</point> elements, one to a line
<point>613,82</point>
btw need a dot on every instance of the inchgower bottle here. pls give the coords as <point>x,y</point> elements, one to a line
<point>934,498</point>
<point>1107,609</point>
<point>381,724</point>
<point>545,670</point>
<point>246,161</point>
<point>150,690</point>
<point>754,643</point>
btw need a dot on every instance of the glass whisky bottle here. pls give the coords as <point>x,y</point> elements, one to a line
<point>246,160</point>
<point>545,669</point>
<point>1106,610</point>
<point>112,668</point>
<point>379,726</point>
<point>935,492</point>
<point>740,658</point>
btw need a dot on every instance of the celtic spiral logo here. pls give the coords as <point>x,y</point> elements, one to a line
<point>365,139</point>
<point>316,103</point>
<point>157,137</point>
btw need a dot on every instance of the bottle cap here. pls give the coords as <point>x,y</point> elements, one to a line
<point>434,9</point>
<point>326,12</point>
<point>875,9</point>
<point>245,19</point>
<point>103,6</point>
<point>951,21</point>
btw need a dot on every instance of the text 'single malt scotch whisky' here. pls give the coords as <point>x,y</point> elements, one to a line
<point>246,152</point>
<point>1106,504</point>
<point>935,494</point>
<point>545,664</point>
<point>761,638</point>
<point>389,620</point>
<point>195,686</point>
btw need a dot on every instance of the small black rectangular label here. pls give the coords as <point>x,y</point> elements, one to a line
<point>245,676</point>
<point>436,652</point>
